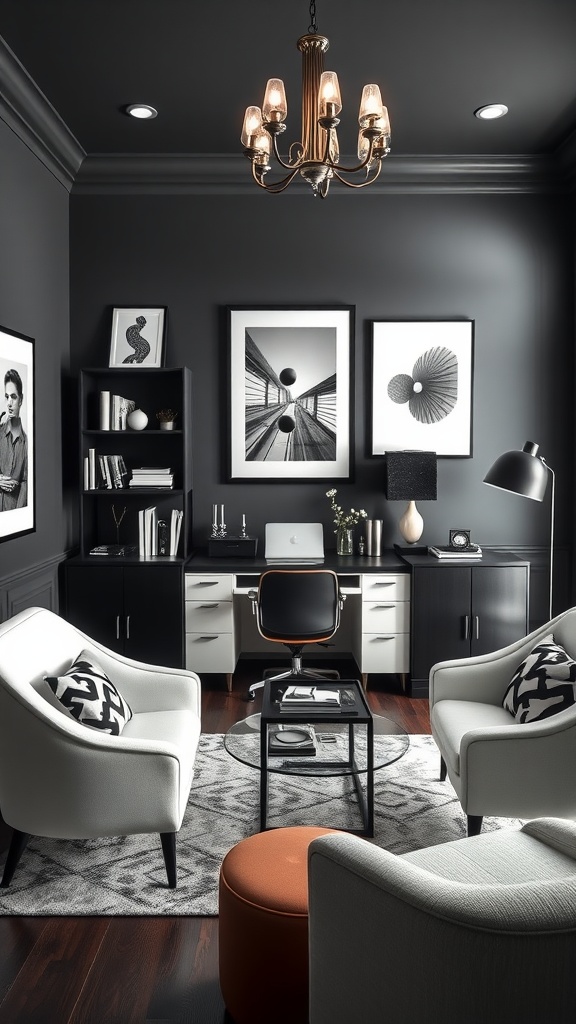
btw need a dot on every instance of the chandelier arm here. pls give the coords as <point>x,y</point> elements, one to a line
<point>359,167</point>
<point>276,186</point>
<point>358,184</point>
<point>287,167</point>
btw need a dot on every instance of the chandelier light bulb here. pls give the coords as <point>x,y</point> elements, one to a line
<point>274,107</point>
<point>252,125</point>
<point>329,100</point>
<point>370,105</point>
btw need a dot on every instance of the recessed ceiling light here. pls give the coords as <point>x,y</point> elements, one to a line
<point>490,111</point>
<point>142,111</point>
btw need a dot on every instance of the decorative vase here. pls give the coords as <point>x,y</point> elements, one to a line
<point>166,424</point>
<point>137,419</point>
<point>344,541</point>
<point>411,524</point>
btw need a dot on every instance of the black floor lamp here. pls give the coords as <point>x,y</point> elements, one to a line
<point>526,473</point>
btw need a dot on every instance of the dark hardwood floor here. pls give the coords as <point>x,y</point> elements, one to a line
<point>148,970</point>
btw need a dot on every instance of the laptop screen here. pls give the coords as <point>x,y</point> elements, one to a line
<point>294,543</point>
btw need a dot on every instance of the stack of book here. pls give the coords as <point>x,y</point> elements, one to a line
<point>158,534</point>
<point>472,553</point>
<point>104,471</point>
<point>152,476</point>
<point>114,410</point>
<point>300,698</point>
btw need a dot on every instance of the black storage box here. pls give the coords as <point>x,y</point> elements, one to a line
<point>232,547</point>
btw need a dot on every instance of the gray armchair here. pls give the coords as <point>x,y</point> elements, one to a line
<point>497,765</point>
<point>61,778</point>
<point>478,930</point>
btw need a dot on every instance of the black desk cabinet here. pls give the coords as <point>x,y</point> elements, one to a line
<point>135,610</point>
<point>462,609</point>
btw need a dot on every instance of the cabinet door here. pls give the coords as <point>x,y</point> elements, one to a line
<point>154,614</point>
<point>499,606</point>
<point>94,603</point>
<point>440,617</point>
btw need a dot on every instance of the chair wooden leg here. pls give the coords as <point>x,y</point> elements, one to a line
<point>474,824</point>
<point>17,847</point>
<point>169,851</point>
<point>442,770</point>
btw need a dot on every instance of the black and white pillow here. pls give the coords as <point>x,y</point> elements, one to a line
<point>90,697</point>
<point>543,685</point>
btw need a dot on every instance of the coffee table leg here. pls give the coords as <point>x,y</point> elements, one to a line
<point>263,776</point>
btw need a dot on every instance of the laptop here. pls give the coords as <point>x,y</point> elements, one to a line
<point>294,543</point>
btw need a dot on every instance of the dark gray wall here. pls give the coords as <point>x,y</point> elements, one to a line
<point>34,300</point>
<point>504,261</point>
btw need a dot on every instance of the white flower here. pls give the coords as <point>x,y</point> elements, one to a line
<point>344,520</point>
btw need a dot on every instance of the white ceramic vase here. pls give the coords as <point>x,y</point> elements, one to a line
<point>137,419</point>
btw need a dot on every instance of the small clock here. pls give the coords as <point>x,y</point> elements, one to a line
<point>459,540</point>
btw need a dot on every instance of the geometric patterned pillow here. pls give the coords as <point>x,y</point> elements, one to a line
<point>543,684</point>
<point>90,697</point>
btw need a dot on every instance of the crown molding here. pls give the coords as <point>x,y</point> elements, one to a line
<point>30,115</point>
<point>227,174</point>
<point>33,119</point>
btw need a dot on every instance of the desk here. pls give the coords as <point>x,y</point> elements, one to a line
<point>374,628</point>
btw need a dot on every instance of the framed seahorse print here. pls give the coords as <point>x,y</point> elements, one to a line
<point>138,334</point>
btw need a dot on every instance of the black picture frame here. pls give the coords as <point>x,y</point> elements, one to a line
<point>17,435</point>
<point>433,413</point>
<point>290,391</point>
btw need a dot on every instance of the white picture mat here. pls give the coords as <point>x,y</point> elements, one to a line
<point>18,354</point>
<point>396,347</point>
<point>153,332</point>
<point>306,320</point>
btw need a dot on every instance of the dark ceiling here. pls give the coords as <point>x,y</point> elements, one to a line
<point>200,65</point>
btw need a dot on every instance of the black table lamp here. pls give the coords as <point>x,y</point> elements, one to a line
<point>410,476</point>
<point>526,473</point>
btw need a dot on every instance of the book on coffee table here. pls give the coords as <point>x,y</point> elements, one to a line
<point>290,741</point>
<point>297,698</point>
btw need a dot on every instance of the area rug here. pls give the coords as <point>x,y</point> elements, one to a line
<point>126,876</point>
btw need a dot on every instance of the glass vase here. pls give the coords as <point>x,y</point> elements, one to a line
<point>344,540</point>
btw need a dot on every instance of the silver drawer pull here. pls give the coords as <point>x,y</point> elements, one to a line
<point>206,583</point>
<point>203,639</point>
<point>216,604</point>
<point>379,607</point>
<point>377,639</point>
<point>384,583</point>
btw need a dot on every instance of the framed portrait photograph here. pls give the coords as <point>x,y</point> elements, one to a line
<point>422,377</point>
<point>290,393</point>
<point>138,335</point>
<point>17,494</point>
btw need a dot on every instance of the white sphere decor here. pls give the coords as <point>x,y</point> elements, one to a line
<point>137,419</point>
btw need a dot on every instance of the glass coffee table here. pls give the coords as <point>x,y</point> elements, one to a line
<point>348,741</point>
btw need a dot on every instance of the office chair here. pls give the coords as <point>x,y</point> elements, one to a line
<point>296,607</point>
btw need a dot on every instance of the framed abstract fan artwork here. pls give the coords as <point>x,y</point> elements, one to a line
<point>422,377</point>
<point>17,466</point>
<point>290,393</point>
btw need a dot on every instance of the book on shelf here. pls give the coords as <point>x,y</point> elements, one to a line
<point>104,410</point>
<point>299,697</point>
<point>152,476</point>
<point>471,553</point>
<point>175,527</point>
<point>113,550</point>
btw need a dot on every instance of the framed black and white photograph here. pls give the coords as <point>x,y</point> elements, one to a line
<point>138,335</point>
<point>422,376</point>
<point>17,498</point>
<point>289,387</point>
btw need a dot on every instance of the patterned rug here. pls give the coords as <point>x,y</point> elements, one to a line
<point>126,876</point>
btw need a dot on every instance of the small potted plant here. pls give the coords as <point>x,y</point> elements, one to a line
<point>166,418</point>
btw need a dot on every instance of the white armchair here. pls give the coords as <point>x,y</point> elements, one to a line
<point>496,765</point>
<point>62,779</point>
<point>479,929</point>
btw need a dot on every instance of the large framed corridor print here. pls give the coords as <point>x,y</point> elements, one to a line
<point>17,494</point>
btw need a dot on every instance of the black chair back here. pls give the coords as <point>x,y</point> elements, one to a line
<point>298,606</point>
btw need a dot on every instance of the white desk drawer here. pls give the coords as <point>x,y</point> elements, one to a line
<point>383,652</point>
<point>210,652</point>
<point>387,587</point>
<point>208,587</point>
<point>386,617</point>
<point>209,616</point>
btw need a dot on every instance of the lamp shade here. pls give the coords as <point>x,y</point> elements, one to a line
<point>410,476</point>
<point>522,472</point>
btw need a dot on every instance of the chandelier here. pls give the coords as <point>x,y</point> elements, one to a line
<point>316,157</point>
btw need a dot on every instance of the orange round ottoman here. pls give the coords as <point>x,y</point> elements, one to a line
<point>263,926</point>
